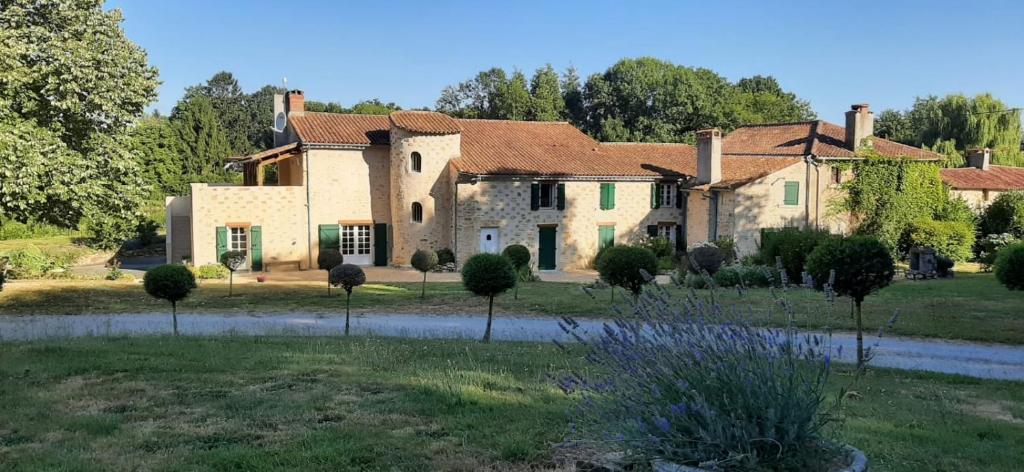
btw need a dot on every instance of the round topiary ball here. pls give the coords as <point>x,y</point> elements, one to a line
<point>329,259</point>
<point>488,274</point>
<point>347,276</point>
<point>624,266</point>
<point>1009,266</point>
<point>518,254</point>
<point>708,258</point>
<point>862,265</point>
<point>232,259</point>
<point>171,282</point>
<point>423,260</point>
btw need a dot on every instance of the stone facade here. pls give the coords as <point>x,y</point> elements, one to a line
<point>976,199</point>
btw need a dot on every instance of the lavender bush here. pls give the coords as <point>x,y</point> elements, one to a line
<point>688,381</point>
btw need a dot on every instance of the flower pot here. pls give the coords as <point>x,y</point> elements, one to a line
<point>261,278</point>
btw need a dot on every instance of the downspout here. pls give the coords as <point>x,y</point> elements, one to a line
<point>455,224</point>
<point>807,191</point>
<point>309,213</point>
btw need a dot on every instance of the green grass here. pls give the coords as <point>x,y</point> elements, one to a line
<point>970,307</point>
<point>389,404</point>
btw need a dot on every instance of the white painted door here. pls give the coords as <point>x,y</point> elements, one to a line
<point>489,240</point>
<point>356,246</point>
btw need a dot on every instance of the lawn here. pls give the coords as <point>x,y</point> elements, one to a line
<point>970,307</point>
<point>372,404</point>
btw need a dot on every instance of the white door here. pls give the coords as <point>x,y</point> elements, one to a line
<point>489,240</point>
<point>356,247</point>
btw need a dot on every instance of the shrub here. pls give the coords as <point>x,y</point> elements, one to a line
<point>348,277</point>
<point>423,261</point>
<point>519,256</point>
<point>1009,266</point>
<point>705,257</point>
<point>210,272</point>
<point>624,266</point>
<point>661,247</point>
<point>145,232</point>
<point>856,267</point>
<point>758,276</point>
<point>30,263</point>
<point>232,260</point>
<point>170,282</point>
<point>792,245</point>
<point>327,260</point>
<point>733,275</point>
<point>728,247</point>
<point>4,264</point>
<point>1005,215</point>
<point>989,246</point>
<point>696,281</point>
<point>487,275</point>
<point>702,389</point>
<point>954,240</point>
<point>32,230</point>
<point>108,231</point>
<point>445,256</point>
<point>944,266</point>
<point>728,276</point>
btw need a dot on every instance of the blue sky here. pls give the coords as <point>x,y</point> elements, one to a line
<point>833,53</point>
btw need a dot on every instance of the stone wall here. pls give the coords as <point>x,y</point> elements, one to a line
<point>761,204</point>
<point>976,199</point>
<point>279,211</point>
<point>431,188</point>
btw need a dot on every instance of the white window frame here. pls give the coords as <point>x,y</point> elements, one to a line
<point>668,232</point>
<point>552,197</point>
<point>667,192</point>
<point>355,240</point>
<point>238,240</point>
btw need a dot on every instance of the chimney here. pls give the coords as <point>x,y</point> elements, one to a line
<point>295,102</point>
<point>709,156</point>
<point>979,158</point>
<point>860,124</point>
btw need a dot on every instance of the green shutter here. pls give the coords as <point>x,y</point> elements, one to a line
<point>611,196</point>
<point>604,196</point>
<point>680,238</point>
<point>256,248</point>
<point>792,193</point>
<point>605,237</point>
<point>607,196</point>
<point>380,244</point>
<point>222,241</point>
<point>561,196</point>
<point>329,237</point>
<point>655,198</point>
<point>652,230</point>
<point>535,196</point>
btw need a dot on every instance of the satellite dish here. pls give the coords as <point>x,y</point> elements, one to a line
<point>280,121</point>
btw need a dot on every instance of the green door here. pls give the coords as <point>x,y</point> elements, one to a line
<point>605,237</point>
<point>546,256</point>
<point>256,248</point>
<point>380,244</point>
<point>329,237</point>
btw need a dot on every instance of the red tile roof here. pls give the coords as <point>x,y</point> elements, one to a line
<point>995,178</point>
<point>426,122</point>
<point>338,128</point>
<point>819,138</point>
<point>681,159</point>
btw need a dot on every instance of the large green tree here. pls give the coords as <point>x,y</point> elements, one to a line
<point>70,86</point>
<point>474,98</point>
<point>572,95</point>
<point>760,99</point>
<point>955,123</point>
<point>547,103</point>
<point>205,147</point>
<point>513,101</point>
<point>230,106</point>
<point>260,108</point>
<point>159,151</point>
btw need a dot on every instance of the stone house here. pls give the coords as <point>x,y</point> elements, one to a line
<point>980,182</point>
<point>380,187</point>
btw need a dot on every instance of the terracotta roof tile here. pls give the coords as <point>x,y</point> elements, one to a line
<point>681,159</point>
<point>995,178</point>
<point>820,138</point>
<point>338,128</point>
<point>427,122</point>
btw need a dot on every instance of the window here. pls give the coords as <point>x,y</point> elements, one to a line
<point>240,240</point>
<point>837,175</point>
<point>605,236</point>
<point>668,232</point>
<point>668,195</point>
<point>416,162</point>
<point>792,195</point>
<point>548,194</point>
<point>355,240</point>
<point>607,196</point>
<point>417,212</point>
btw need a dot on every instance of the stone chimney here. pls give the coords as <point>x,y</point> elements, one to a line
<point>709,156</point>
<point>979,158</point>
<point>295,102</point>
<point>860,124</point>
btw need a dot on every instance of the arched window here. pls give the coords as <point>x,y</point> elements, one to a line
<point>417,212</point>
<point>417,162</point>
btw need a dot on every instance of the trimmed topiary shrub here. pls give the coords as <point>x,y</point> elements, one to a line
<point>170,282</point>
<point>519,256</point>
<point>423,261</point>
<point>445,256</point>
<point>944,266</point>
<point>954,240</point>
<point>704,257</point>
<point>728,276</point>
<point>232,260</point>
<point>624,266</point>
<point>1005,215</point>
<point>855,267</point>
<point>792,245</point>
<point>348,277</point>
<point>487,275</point>
<point>1009,266</point>
<point>329,259</point>
<point>758,276</point>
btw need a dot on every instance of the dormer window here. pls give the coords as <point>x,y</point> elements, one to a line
<point>416,162</point>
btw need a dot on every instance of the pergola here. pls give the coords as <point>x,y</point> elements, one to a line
<point>253,166</point>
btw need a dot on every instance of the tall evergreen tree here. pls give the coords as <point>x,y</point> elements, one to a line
<point>259,107</point>
<point>205,147</point>
<point>513,99</point>
<point>572,95</point>
<point>159,153</point>
<point>229,103</point>
<point>547,103</point>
